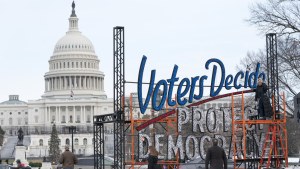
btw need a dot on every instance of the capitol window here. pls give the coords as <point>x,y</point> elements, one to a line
<point>41,142</point>
<point>78,119</point>
<point>10,121</point>
<point>71,119</point>
<point>36,119</point>
<point>67,141</point>
<point>88,119</point>
<point>84,141</point>
<point>36,110</point>
<point>2,122</point>
<point>10,113</point>
<point>76,141</point>
<point>19,113</point>
<point>1,113</point>
<point>63,119</point>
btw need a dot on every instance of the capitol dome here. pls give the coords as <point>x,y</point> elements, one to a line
<point>74,66</point>
<point>74,41</point>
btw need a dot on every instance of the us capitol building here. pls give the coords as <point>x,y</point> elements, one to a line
<point>74,93</point>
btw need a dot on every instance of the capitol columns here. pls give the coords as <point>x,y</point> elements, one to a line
<point>81,114</point>
<point>95,78</point>
<point>65,84</point>
<point>61,82</point>
<point>80,82</point>
<point>99,83</point>
<point>59,115</point>
<point>49,112</point>
<point>45,84</point>
<point>74,114</point>
<point>102,83</point>
<point>84,82</point>
<point>84,114</point>
<point>70,82</point>
<point>54,83</point>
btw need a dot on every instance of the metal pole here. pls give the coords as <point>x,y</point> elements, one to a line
<point>72,127</point>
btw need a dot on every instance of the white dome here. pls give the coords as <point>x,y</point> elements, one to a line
<point>74,66</point>
<point>74,41</point>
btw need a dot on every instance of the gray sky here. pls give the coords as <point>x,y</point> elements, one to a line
<point>186,33</point>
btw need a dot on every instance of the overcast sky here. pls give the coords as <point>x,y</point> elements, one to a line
<point>168,32</point>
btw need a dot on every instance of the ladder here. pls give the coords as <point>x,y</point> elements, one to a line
<point>274,150</point>
<point>275,146</point>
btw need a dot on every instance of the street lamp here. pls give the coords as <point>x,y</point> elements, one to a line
<point>72,129</point>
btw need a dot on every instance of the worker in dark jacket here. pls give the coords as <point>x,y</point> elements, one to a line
<point>216,157</point>
<point>153,158</point>
<point>264,105</point>
<point>68,159</point>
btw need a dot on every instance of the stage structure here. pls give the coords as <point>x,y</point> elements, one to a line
<point>275,149</point>
<point>117,117</point>
<point>130,140</point>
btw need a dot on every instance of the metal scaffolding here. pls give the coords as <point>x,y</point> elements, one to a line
<point>117,117</point>
<point>119,94</point>
<point>274,149</point>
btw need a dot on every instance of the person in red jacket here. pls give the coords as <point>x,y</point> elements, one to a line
<point>19,164</point>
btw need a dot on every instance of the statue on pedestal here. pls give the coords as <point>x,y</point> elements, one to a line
<point>20,137</point>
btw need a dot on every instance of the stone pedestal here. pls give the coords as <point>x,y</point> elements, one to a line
<point>20,154</point>
<point>46,165</point>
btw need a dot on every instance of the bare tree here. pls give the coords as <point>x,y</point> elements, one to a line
<point>283,18</point>
<point>280,16</point>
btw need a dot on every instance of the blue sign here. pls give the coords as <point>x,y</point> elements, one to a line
<point>188,85</point>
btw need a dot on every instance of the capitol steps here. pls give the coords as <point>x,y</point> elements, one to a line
<point>7,151</point>
<point>8,148</point>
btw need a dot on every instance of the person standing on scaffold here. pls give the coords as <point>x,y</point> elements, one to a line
<point>264,105</point>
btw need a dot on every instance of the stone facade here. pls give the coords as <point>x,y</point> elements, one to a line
<point>74,93</point>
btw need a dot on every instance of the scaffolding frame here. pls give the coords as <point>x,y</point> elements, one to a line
<point>274,149</point>
<point>171,123</point>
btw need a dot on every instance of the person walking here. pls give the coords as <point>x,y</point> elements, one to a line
<point>153,158</point>
<point>264,105</point>
<point>216,157</point>
<point>68,159</point>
